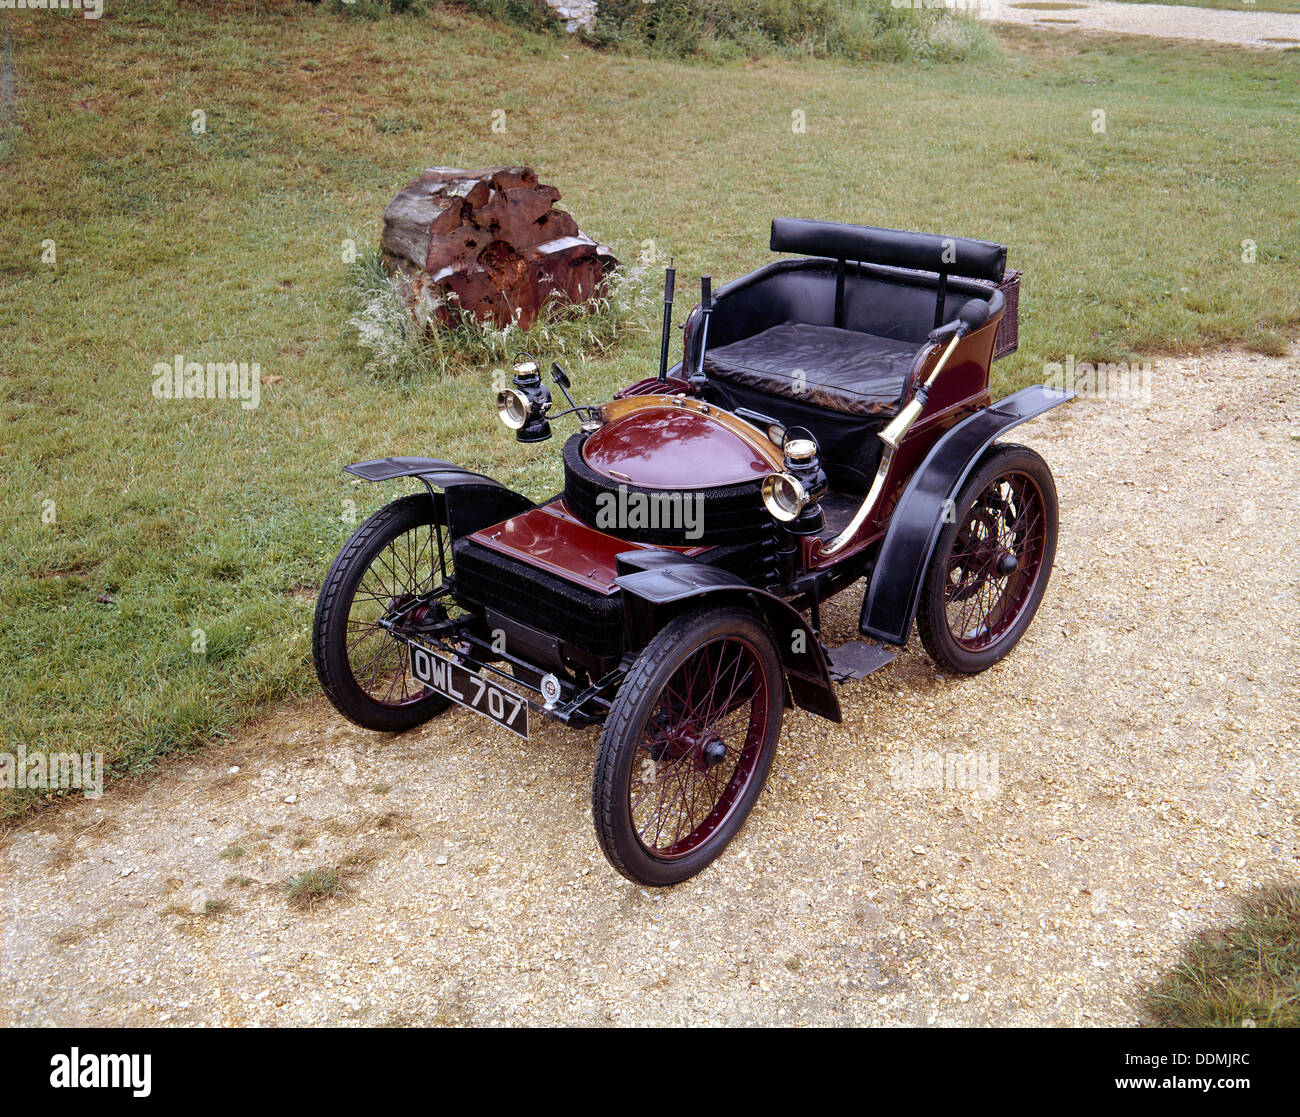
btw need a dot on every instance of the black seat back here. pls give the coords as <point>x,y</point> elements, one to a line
<point>944,256</point>
<point>976,259</point>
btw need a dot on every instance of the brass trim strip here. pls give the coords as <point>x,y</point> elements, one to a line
<point>750,435</point>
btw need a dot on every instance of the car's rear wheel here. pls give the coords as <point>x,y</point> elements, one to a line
<point>991,563</point>
<point>687,745</point>
<point>396,564</point>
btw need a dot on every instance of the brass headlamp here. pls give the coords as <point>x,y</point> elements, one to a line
<point>793,495</point>
<point>523,408</point>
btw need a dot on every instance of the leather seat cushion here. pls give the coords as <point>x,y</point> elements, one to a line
<point>842,370</point>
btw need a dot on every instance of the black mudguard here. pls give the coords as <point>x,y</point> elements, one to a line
<point>474,500</point>
<point>651,596</point>
<point>889,606</point>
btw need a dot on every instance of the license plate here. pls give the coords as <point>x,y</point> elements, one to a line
<point>470,689</point>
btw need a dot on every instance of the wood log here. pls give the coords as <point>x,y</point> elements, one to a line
<point>491,242</point>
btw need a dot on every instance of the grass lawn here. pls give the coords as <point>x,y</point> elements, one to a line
<point>1246,972</point>
<point>131,522</point>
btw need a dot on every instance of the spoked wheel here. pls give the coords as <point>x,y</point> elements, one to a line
<point>991,564</point>
<point>688,745</point>
<point>395,565</point>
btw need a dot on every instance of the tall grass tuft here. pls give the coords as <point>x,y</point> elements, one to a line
<point>718,30</point>
<point>402,347</point>
<point>378,9</point>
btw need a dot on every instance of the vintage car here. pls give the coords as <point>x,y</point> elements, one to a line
<point>830,424</point>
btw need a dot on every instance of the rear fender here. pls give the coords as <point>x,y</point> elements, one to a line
<point>474,500</point>
<point>653,596</point>
<point>889,605</point>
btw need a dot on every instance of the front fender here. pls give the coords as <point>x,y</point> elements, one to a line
<point>651,596</point>
<point>474,500</point>
<point>889,606</point>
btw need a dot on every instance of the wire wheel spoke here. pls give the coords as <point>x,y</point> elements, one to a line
<point>404,579</point>
<point>995,560</point>
<point>699,747</point>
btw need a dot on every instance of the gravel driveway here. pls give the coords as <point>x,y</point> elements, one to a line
<point>1147,749</point>
<point>1262,30</point>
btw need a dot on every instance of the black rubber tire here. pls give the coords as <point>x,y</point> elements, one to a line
<point>932,617</point>
<point>731,514</point>
<point>333,606</point>
<point>610,806</point>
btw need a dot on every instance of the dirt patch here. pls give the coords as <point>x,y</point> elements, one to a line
<point>1145,738</point>
<point>1261,30</point>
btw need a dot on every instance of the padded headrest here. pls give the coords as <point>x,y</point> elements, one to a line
<point>976,259</point>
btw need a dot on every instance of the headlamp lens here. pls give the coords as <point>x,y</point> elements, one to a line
<point>513,408</point>
<point>783,496</point>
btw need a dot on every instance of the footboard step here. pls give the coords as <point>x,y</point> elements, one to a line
<point>857,659</point>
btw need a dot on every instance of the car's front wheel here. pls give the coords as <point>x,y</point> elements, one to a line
<point>396,564</point>
<point>687,745</point>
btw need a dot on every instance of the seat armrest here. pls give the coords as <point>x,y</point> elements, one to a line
<point>920,363</point>
<point>944,332</point>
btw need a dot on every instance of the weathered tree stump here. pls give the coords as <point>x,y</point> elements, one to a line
<point>491,242</point>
